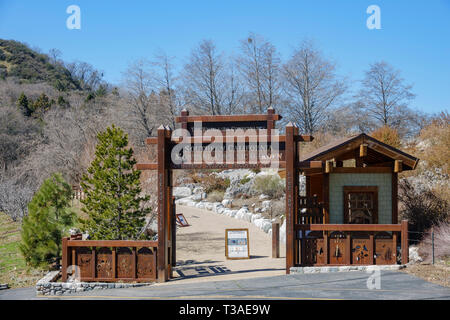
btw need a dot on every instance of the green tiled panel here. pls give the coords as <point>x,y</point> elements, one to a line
<point>381,180</point>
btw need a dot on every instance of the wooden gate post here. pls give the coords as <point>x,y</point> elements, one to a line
<point>163,204</point>
<point>174,233</point>
<point>275,240</point>
<point>291,193</point>
<point>404,242</point>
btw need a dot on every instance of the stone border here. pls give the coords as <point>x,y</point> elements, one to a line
<point>389,267</point>
<point>243,214</point>
<point>47,286</point>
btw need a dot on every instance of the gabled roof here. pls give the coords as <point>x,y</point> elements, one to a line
<point>378,152</point>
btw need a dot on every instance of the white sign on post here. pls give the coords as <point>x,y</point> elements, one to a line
<point>237,244</point>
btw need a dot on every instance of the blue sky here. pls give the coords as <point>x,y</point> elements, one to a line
<point>415,35</point>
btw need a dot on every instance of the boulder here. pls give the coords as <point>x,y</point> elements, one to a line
<point>414,256</point>
<point>227,202</point>
<point>266,203</point>
<point>254,217</point>
<point>181,192</point>
<point>197,197</point>
<point>264,224</point>
<point>197,190</point>
<point>244,214</point>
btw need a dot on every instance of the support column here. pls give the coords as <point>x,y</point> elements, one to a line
<point>164,199</point>
<point>291,193</point>
<point>404,242</point>
<point>174,233</point>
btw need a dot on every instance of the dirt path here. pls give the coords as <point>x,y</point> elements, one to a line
<point>201,249</point>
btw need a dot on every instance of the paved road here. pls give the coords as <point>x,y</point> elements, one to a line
<point>349,285</point>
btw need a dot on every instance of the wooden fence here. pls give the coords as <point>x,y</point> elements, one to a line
<point>108,261</point>
<point>77,192</point>
<point>350,244</point>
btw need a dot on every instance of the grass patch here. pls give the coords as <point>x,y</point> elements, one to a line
<point>13,269</point>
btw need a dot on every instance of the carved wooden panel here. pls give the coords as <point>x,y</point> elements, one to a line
<point>84,262</point>
<point>320,253</point>
<point>310,251</point>
<point>361,251</point>
<point>384,251</point>
<point>104,263</point>
<point>337,249</point>
<point>146,263</point>
<point>125,263</point>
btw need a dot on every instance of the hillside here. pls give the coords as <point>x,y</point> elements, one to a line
<point>26,65</point>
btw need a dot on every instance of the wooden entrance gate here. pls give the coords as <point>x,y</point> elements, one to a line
<point>236,140</point>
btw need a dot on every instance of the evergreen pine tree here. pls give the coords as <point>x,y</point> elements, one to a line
<point>48,220</point>
<point>24,105</point>
<point>112,190</point>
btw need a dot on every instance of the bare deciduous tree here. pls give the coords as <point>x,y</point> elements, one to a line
<point>204,78</point>
<point>384,95</point>
<point>17,134</point>
<point>14,198</point>
<point>140,83</point>
<point>311,86</point>
<point>88,77</point>
<point>259,65</point>
<point>166,80</point>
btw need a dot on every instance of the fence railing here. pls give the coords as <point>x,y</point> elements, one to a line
<point>350,244</point>
<point>109,260</point>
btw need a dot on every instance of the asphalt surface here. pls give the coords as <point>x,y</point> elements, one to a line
<point>394,285</point>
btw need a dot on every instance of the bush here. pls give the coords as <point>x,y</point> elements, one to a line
<point>49,219</point>
<point>244,180</point>
<point>387,135</point>
<point>421,206</point>
<point>211,182</point>
<point>271,185</point>
<point>216,196</point>
<point>441,243</point>
<point>436,139</point>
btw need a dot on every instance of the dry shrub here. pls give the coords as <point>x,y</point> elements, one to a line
<point>435,143</point>
<point>387,135</point>
<point>271,185</point>
<point>277,209</point>
<point>211,182</point>
<point>320,139</point>
<point>421,206</point>
<point>216,196</point>
<point>441,243</point>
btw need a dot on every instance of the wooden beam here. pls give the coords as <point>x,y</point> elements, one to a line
<point>405,245</point>
<point>398,166</point>
<point>229,118</point>
<point>362,170</point>
<point>146,166</point>
<point>210,139</point>
<point>309,165</point>
<point>111,243</point>
<point>65,259</point>
<point>163,201</point>
<point>275,240</point>
<point>394,197</point>
<point>363,150</point>
<point>328,166</point>
<point>349,227</point>
<point>291,193</point>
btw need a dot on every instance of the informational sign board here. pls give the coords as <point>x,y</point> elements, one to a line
<point>181,220</point>
<point>237,244</point>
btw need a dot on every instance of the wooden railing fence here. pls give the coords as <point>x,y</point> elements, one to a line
<point>350,244</point>
<point>109,260</point>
